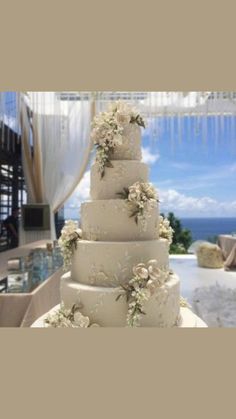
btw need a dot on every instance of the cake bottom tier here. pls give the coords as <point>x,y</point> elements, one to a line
<point>100,305</point>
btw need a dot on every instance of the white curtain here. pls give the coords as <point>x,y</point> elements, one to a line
<point>58,137</point>
<point>202,112</point>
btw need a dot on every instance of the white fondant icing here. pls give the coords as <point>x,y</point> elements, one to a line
<point>123,174</point>
<point>110,220</point>
<point>111,263</point>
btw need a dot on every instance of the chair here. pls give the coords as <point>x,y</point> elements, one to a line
<point>210,256</point>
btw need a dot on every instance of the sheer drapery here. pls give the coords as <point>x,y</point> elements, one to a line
<point>206,114</point>
<point>56,145</point>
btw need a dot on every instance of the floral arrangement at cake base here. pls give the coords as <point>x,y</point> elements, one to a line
<point>146,280</point>
<point>107,130</point>
<point>70,235</point>
<point>141,198</point>
<point>68,318</point>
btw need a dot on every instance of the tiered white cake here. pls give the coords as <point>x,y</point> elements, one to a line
<point>113,243</point>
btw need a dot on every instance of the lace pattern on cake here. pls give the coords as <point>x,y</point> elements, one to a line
<point>99,276</point>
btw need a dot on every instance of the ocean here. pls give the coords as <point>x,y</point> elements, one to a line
<point>208,228</point>
<point>205,228</point>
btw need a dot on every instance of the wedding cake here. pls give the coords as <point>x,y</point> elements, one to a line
<point>118,260</point>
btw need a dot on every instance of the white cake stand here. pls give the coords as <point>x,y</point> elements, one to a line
<point>187,318</point>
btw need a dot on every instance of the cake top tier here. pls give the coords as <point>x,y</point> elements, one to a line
<point>116,134</point>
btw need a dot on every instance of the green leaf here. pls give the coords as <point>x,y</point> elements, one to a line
<point>108,164</point>
<point>121,194</point>
<point>134,213</point>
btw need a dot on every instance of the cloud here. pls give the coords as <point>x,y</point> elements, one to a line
<point>183,205</point>
<point>148,156</point>
<point>199,177</point>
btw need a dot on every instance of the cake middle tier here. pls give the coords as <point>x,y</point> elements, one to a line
<point>111,263</point>
<point>110,220</point>
<point>123,174</point>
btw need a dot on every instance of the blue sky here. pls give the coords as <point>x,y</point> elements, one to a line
<point>202,168</point>
<point>195,175</point>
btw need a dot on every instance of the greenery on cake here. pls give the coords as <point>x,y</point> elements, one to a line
<point>141,198</point>
<point>70,235</point>
<point>144,283</point>
<point>107,130</point>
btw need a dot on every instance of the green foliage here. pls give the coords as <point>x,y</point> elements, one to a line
<point>182,237</point>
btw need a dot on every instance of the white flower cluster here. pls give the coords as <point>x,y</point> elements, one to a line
<point>68,318</point>
<point>70,234</point>
<point>126,114</point>
<point>65,318</point>
<point>142,192</point>
<point>165,229</point>
<point>147,278</point>
<point>107,130</point>
<point>141,197</point>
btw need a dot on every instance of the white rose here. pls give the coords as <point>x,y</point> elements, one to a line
<point>151,286</point>
<point>134,192</point>
<point>79,232</point>
<point>141,271</point>
<point>149,190</point>
<point>153,269</point>
<point>80,320</point>
<point>133,196</point>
